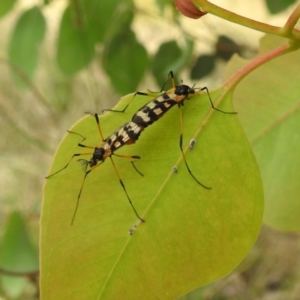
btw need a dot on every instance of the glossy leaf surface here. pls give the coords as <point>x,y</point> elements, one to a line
<point>268,102</point>
<point>191,237</point>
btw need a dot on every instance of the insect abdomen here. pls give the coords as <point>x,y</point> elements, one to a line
<point>152,111</point>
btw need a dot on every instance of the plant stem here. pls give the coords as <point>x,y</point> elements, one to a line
<point>287,29</point>
<point>291,33</point>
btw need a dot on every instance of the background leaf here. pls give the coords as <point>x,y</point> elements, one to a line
<point>268,102</point>
<point>6,6</point>
<point>277,6</point>
<point>75,47</point>
<point>204,65</point>
<point>86,23</point>
<point>226,47</point>
<point>125,61</point>
<point>99,16</point>
<point>167,55</point>
<point>16,254</point>
<point>27,36</point>
<point>191,236</point>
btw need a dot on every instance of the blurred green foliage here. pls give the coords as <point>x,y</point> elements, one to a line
<point>277,6</point>
<point>28,34</point>
<point>17,256</point>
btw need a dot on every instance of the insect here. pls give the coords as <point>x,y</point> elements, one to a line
<point>155,109</point>
<point>174,169</point>
<point>125,135</point>
<point>132,229</point>
<point>192,144</point>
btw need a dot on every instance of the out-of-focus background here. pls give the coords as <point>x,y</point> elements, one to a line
<point>59,59</point>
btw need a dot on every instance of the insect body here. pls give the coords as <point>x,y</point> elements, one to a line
<point>192,143</point>
<point>155,109</point>
<point>125,135</point>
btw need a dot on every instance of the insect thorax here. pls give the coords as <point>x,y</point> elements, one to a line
<point>184,90</point>
<point>100,153</point>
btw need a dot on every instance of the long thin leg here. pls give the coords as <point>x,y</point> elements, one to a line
<point>73,132</point>
<point>91,169</point>
<point>80,145</point>
<point>212,105</point>
<point>150,94</point>
<point>180,145</point>
<point>79,194</point>
<point>170,76</point>
<point>121,182</point>
<point>136,157</point>
<point>99,127</point>
<point>124,109</point>
<point>123,186</point>
<point>76,154</point>
<point>98,123</point>
<point>132,162</point>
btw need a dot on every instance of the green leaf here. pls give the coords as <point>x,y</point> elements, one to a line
<point>203,66</point>
<point>226,47</point>
<point>99,16</point>
<point>268,102</point>
<point>6,6</point>
<point>170,57</point>
<point>17,254</point>
<point>75,48</point>
<point>85,23</point>
<point>27,36</point>
<point>125,60</point>
<point>191,237</point>
<point>277,6</point>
